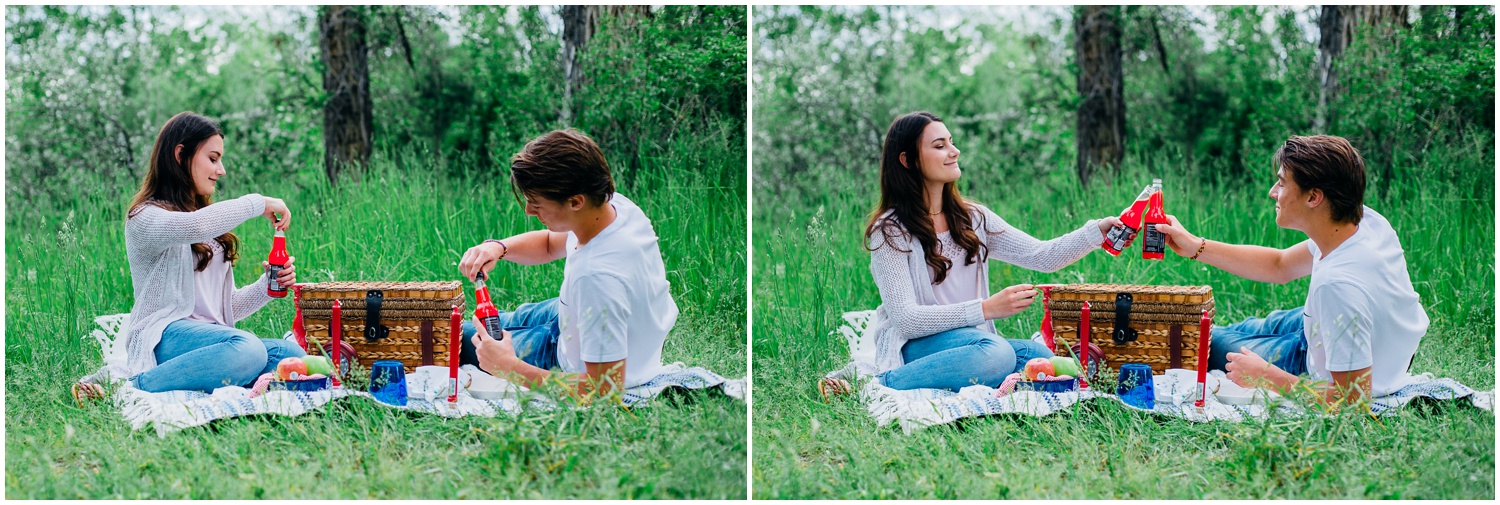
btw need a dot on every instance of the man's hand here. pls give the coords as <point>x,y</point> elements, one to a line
<point>1249,370</point>
<point>1178,238</point>
<point>495,356</point>
<point>480,258</point>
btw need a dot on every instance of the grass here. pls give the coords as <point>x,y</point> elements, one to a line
<point>66,264</point>
<point>810,267</point>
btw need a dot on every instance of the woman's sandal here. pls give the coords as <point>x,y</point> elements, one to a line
<point>829,386</point>
<point>83,391</point>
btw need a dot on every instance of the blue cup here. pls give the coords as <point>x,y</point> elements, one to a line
<point>1135,387</point>
<point>388,382</point>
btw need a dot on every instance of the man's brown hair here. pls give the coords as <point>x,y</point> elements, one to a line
<point>560,164</point>
<point>1329,164</point>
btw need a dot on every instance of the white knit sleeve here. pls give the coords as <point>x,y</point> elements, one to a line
<point>248,299</point>
<point>892,272</point>
<point>155,228</point>
<point>1011,245</point>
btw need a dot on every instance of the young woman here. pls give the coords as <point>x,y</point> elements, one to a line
<point>928,248</point>
<point>181,334</point>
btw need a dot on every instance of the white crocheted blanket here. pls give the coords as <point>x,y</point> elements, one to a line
<point>919,408</point>
<point>174,410</point>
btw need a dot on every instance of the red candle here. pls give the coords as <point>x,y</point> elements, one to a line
<point>1047,335</point>
<point>455,321</point>
<point>1204,325</point>
<point>1083,345</point>
<point>298,330</point>
<point>336,326</point>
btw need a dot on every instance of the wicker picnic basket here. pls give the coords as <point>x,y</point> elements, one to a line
<point>1155,325</point>
<point>404,321</point>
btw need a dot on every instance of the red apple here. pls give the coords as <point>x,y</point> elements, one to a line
<point>1038,367</point>
<point>285,367</point>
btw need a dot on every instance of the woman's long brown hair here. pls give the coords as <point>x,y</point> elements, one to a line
<point>902,191</point>
<point>169,178</point>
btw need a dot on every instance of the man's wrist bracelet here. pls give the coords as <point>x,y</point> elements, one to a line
<point>1201,245</point>
<point>503,249</point>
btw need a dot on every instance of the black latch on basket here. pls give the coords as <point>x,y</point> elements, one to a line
<point>1123,332</point>
<point>373,329</point>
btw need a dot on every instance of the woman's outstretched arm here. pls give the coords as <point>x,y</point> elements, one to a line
<point>1011,245</point>
<point>153,228</point>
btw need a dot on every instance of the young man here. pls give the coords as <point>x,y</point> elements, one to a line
<point>1362,321</point>
<point>606,327</point>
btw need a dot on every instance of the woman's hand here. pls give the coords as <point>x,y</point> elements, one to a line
<point>495,356</point>
<point>1178,238</point>
<point>275,206</point>
<point>1108,222</point>
<point>288,275</point>
<point>1009,301</point>
<point>480,258</point>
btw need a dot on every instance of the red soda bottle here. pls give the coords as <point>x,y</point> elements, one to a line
<point>484,309</point>
<point>278,260</point>
<point>1154,245</point>
<point>1124,233</point>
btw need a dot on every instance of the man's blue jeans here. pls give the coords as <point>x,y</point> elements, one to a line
<point>1278,338</point>
<point>533,331</point>
<point>202,356</point>
<point>960,357</point>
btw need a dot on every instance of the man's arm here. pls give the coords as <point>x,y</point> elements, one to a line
<point>498,357</point>
<point>1252,262</point>
<point>1248,369</point>
<point>530,248</point>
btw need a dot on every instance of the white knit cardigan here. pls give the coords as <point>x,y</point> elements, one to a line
<point>158,243</point>
<point>908,307</point>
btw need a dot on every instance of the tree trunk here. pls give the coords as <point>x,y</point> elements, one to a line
<point>1101,86</point>
<point>580,22</point>
<point>1336,26</point>
<point>348,119</point>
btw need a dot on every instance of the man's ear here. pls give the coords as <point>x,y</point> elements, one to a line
<point>576,202</point>
<point>1315,197</point>
<point>902,158</point>
<point>177,153</point>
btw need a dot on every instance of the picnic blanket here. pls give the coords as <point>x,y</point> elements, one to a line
<point>174,410</point>
<point>919,408</point>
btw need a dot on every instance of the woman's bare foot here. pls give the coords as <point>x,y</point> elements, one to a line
<point>83,391</point>
<point>829,386</point>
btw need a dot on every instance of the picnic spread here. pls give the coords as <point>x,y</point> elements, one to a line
<point>426,388</point>
<point>1178,392</point>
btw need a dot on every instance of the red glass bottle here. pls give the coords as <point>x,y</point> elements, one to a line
<point>484,309</point>
<point>1121,235</point>
<point>1154,244</point>
<point>278,260</point>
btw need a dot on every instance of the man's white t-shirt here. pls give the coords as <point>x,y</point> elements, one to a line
<point>1361,309</point>
<point>615,302</point>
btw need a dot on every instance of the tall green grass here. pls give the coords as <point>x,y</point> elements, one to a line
<point>810,267</point>
<point>65,264</point>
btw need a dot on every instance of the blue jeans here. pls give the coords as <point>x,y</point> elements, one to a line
<point>960,357</point>
<point>533,331</point>
<point>202,356</point>
<point>1278,338</point>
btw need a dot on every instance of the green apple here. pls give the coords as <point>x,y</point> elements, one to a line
<point>318,365</point>
<point>1066,366</point>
